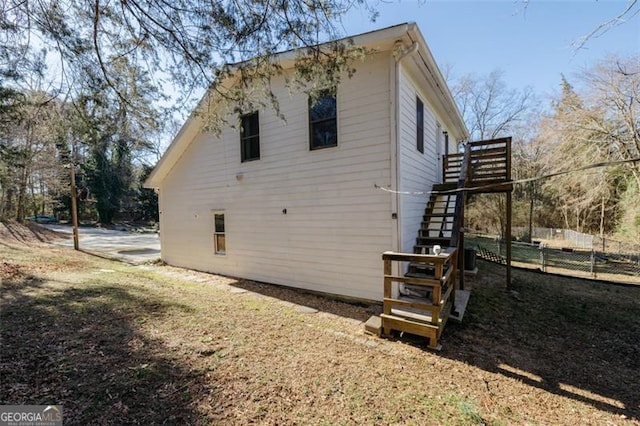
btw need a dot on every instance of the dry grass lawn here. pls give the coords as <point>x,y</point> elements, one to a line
<point>152,344</point>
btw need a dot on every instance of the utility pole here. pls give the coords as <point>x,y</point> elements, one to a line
<point>74,208</point>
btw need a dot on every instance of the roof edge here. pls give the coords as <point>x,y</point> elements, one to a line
<point>447,97</point>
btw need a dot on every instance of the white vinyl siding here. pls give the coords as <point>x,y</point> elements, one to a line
<point>418,172</point>
<point>336,224</point>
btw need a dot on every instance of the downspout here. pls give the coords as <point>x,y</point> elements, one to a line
<point>399,54</point>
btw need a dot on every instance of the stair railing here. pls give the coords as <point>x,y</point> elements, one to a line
<point>457,235</point>
<point>463,180</point>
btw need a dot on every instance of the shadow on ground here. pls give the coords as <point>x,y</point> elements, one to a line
<point>574,338</point>
<point>81,346</point>
<point>360,311</point>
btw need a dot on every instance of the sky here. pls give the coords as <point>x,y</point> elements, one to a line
<point>531,44</point>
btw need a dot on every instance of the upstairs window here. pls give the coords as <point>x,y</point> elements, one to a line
<point>219,242</point>
<point>419,125</point>
<point>323,123</point>
<point>250,137</point>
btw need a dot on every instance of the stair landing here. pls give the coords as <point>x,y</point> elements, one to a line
<point>374,323</point>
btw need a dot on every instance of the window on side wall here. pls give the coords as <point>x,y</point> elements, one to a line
<point>219,241</point>
<point>419,125</point>
<point>250,137</point>
<point>323,123</point>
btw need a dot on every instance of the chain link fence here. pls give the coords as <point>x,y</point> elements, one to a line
<point>568,261</point>
<point>578,240</point>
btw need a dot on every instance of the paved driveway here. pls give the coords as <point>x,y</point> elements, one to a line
<point>129,246</point>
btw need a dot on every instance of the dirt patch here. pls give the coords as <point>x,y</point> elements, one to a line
<point>150,344</point>
<point>27,233</point>
<point>8,270</point>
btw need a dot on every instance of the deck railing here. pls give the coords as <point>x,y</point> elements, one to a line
<point>490,162</point>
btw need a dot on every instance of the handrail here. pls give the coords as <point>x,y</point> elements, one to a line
<point>465,177</point>
<point>488,142</point>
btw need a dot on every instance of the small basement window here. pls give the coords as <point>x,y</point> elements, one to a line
<point>219,242</point>
<point>323,123</point>
<point>250,137</point>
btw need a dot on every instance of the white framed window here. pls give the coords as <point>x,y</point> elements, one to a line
<point>219,237</point>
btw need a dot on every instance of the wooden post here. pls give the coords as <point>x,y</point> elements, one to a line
<point>386,330</point>
<point>509,211</point>
<point>74,208</point>
<point>454,265</point>
<point>508,237</point>
<point>460,262</point>
<point>387,272</point>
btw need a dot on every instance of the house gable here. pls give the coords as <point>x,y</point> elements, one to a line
<point>380,40</point>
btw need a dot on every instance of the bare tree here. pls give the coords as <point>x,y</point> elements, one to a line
<point>628,12</point>
<point>612,110</point>
<point>491,109</point>
<point>599,125</point>
<point>29,147</point>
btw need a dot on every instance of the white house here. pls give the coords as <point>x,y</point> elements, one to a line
<point>295,203</point>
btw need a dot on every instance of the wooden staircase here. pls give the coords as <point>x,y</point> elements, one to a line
<point>426,312</point>
<point>421,300</point>
<point>438,220</point>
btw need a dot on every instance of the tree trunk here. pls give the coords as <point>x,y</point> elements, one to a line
<point>8,205</point>
<point>22,189</point>
<point>44,198</point>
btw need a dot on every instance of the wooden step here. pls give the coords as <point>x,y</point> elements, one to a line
<point>439,209</point>
<point>423,249</point>
<point>444,187</point>
<point>438,201</point>
<point>442,198</point>
<point>421,295</point>
<point>421,326</point>
<point>428,243</point>
<point>436,227</point>
<point>439,215</point>
<point>441,241</point>
<point>438,218</point>
<point>436,233</point>
<point>417,315</point>
<point>420,274</point>
<point>431,241</point>
<point>421,266</point>
<point>421,270</point>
